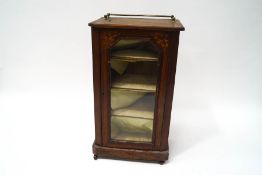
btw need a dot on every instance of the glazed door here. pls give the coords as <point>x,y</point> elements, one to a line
<point>131,73</point>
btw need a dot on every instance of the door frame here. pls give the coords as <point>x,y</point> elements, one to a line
<point>108,37</point>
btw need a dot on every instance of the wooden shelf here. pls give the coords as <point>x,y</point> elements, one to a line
<point>130,43</point>
<point>135,122</point>
<point>136,82</point>
<point>133,55</point>
<point>141,109</point>
<point>132,137</point>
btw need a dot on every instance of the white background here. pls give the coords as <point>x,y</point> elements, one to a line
<point>46,95</point>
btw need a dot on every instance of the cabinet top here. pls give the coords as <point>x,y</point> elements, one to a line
<point>138,23</point>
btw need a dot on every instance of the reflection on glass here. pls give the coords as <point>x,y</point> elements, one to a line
<point>134,69</point>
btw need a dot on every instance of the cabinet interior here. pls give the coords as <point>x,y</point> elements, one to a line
<point>133,71</point>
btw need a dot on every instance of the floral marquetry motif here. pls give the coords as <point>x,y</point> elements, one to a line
<point>161,39</point>
<point>108,38</point>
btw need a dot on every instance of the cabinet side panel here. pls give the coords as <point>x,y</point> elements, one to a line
<point>172,61</point>
<point>162,89</point>
<point>105,42</point>
<point>97,85</point>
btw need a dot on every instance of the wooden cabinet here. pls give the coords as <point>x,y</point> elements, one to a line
<point>134,66</point>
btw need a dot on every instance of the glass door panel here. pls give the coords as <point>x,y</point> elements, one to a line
<point>133,71</point>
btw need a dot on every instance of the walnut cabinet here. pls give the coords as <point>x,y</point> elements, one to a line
<point>134,66</point>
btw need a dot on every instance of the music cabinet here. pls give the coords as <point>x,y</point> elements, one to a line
<point>134,66</point>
